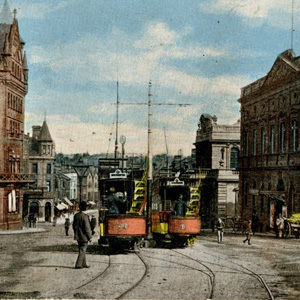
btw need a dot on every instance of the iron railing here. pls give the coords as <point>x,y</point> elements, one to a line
<point>14,178</point>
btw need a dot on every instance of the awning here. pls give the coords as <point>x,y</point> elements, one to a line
<point>91,203</point>
<point>65,205</point>
<point>68,201</point>
<point>60,207</point>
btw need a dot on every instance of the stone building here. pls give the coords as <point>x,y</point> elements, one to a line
<point>217,157</point>
<point>13,89</point>
<point>92,192</point>
<point>39,198</point>
<point>270,161</point>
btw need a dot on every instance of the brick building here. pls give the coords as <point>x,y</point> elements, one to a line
<point>217,155</point>
<point>13,89</point>
<point>270,161</point>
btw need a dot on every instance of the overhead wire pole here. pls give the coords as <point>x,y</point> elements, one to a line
<point>150,154</point>
<point>117,122</point>
<point>292,33</point>
<point>167,162</point>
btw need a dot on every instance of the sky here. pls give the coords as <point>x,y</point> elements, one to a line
<point>199,53</point>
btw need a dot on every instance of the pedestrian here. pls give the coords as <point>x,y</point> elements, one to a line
<point>30,220</point>
<point>280,226</point>
<point>220,227</point>
<point>67,226</point>
<point>93,224</point>
<point>248,231</point>
<point>54,221</point>
<point>83,235</point>
<point>34,219</point>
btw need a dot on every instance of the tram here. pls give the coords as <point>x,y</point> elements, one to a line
<point>121,215</point>
<point>176,221</point>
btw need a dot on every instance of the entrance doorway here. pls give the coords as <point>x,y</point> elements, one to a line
<point>48,212</point>
<point>34,209</point>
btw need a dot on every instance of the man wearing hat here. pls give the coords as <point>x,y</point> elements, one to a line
<point>83,234</point>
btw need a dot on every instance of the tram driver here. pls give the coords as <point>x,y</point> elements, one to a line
<point>180,206</point>
<point>114,202</point>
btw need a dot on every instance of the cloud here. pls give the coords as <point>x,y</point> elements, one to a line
<point>157,35</point>
<point>277,13</point>
<point>38,10</point>
<point>131,65</point>
<point>202,86</point>
<point>107,108</point>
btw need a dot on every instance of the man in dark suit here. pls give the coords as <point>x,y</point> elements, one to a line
<point>83,234</point>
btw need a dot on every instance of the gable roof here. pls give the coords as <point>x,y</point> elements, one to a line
<point>285,66</point>
<point>45,135</point>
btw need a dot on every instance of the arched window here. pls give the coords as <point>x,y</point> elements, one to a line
<point>234,158</point>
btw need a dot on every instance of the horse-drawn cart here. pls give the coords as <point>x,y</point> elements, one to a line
<point>292,226</point>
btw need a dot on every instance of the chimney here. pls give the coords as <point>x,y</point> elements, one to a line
<point>36,129</point>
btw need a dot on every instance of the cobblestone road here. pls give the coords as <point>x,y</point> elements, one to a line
<point>41,265</point>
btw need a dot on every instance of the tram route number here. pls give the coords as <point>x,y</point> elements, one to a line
<point>123,226</point>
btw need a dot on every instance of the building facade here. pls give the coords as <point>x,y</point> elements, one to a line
<point>13,89</point>
<point>270,160</point>
<point>217,157</point>
<point>39,198</point>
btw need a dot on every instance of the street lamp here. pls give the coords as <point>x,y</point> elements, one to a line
<point>123,141</point>
<point>80,169</point>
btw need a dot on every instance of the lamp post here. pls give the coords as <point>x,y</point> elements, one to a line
<point>80,169</point>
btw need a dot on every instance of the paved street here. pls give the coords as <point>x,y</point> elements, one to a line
<point>40,265</point>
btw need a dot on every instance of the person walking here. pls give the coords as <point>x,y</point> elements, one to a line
<point>280,226</point>
<point>93,224</point>
<point>248,231</point>
<point>67,226</point>
<point>83,235</point>
<point>220,228</point>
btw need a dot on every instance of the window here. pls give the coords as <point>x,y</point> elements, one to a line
<point>246,143</point>
<point>222,153</point>
<point>254,142</point>
<point>48,168</point>
<point>272,138</point>
<point>234,158</point>
<point>12,201</point>
<point>44,149</point>
<point>281,136</point>
<point>34,168</point>
<point>49,149</point>
<point>294,135</point>
<point>262,140</point>
<point>48,186</point>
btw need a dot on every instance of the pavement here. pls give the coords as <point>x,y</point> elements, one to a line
<point>22,231</point>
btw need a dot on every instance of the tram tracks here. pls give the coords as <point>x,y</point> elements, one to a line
<point>79,290</point>
<point>248,272</point>
<point>86,290</point>
<point>92,279</point>
<point>140,280</point>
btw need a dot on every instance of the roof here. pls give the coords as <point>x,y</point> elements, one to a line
<point>45,135</point>
<point>4,32</point>
<point>6,16</point>
<point>285,66</point>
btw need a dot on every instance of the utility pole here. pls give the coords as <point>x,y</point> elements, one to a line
<point>117,122</point>
<point>150,153</point>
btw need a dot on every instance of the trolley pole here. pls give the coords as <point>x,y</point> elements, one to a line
<point>150,176</point>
